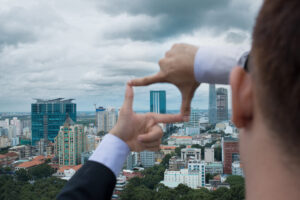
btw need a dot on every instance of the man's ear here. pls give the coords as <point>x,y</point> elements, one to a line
<point>242,99</point>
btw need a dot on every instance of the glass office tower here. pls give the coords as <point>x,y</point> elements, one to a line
<point>48,115</point>
<point>158,101</point>
<point>212,109</point>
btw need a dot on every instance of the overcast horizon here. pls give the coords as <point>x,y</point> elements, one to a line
<point>88,50</point>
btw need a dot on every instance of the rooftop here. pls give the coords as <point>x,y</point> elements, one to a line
<point>63,168</point>
<point>58,100</point>
<point>181,137</point>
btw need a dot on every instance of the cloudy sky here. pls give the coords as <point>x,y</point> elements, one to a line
<point>88,49</point>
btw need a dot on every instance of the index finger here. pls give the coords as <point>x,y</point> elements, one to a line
<point>147,80</point>
<point>166,118</point>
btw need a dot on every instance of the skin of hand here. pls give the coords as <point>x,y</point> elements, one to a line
<point>177,67</point>
<point>140,131</point>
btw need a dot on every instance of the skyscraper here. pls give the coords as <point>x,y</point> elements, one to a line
<point>222,104</point>
<point>48,115</point>
<point>158,101</point>
<point>70,143</point>
<point>192,127</point>
<point>157,105</point>
<point>212,109</point>
<point>106,119</point>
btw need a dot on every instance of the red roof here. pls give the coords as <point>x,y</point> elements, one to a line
<point>63,168</point>
<point>182,137</point>
<point>10,154</point>
<point>167,147</point>
<point>30,164</point>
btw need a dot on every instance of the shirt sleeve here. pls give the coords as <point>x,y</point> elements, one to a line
<point>213,64</point>
<point>111,152</point>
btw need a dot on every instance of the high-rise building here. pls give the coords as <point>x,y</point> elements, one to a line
<point>192,127</point>
<point>70,143</point>
<point>147,158</point>
<point>209,155</point>
<point>106,119</point>
<point>158,102</point>
<point>17,123</point>
<point>157,105</point>
<point>48,115</point>
<point>222,104</point>
<point>212,109</point>
<point>230,153</point>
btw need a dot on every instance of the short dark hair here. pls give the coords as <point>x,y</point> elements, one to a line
<point>276,69</point>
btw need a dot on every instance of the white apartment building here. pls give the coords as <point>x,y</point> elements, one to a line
<point>179,140</point>
<point>209,155</point>
<point>17,123</point>
<point>193,177</point>
<point>106,119</point>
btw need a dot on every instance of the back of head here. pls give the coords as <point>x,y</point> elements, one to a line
<point>275,65</point>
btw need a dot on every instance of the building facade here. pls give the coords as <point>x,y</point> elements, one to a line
<point>190,153</point>
<point>212,109</point>
<point>70,143</point>
<point>106,119</point>
<point>147,158</point>
<point>192,127</point>
<point>209,155</point>
<point>48,115</point>
<point>222,104</point>
<point>158,102</point>
<point>193,176</point>
<point>230,153</point>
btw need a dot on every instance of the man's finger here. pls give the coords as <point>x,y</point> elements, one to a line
<point>152,144</point>
<point>187,96</point>
<point>155,134</point>
<point>186,109</point>
<point>166,118</point>
<point>128,101</point>
<point>157,78</point>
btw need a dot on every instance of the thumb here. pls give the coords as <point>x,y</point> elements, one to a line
<point>187,94</point>
<point>128,101</point>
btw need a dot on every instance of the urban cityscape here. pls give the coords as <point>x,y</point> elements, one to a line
<point>55,140</point>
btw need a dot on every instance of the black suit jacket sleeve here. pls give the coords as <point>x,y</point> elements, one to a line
<point>92,181</point>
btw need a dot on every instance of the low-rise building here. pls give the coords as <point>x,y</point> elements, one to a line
<point>190,153</point>
<point>66,172</point>
<point>38,160</point>
<point>193,177</point>
<point>214,168</point>
<point>179,140</point>
<point>165,149</point>
<point>176,164</point>
<point>7,159</point>
<point>237,169</point>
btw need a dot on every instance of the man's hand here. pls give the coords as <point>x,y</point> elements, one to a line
<point>140,131</point>
<point>177,67</point>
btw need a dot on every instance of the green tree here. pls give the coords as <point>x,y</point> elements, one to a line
<point>178,150</point>
<point>235,180</point>
<point>23,175</point>
<point>165,160</point>
<point>41,171</point>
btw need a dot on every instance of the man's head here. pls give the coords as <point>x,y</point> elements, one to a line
<point>269,94</point>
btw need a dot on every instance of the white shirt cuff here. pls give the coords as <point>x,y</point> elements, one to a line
<point>111,152</point>
<point>213,65</point>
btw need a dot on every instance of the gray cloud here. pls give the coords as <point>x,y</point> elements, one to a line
<point>174,17</point>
